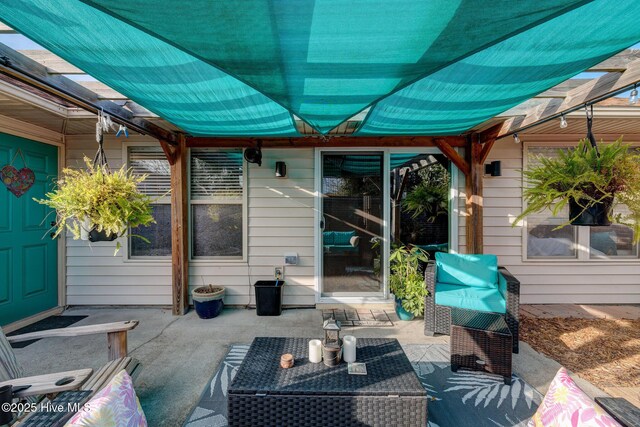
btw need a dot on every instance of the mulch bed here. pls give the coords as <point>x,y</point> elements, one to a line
<point>604,352</point>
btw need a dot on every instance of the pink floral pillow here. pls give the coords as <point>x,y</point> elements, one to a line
<point>114,406</point>
<point>565,405</point>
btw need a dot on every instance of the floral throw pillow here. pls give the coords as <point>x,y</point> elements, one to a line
<point>565,405</point>
<point>114,406</point>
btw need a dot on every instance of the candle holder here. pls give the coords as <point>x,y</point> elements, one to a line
<point>287,361</point>
<point>332,344</point>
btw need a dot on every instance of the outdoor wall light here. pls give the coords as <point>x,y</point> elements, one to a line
<point>281,169</point>
<point>516,138</point>
<point>633,96</point>
<point>493,168</point>
<point>254,155</point>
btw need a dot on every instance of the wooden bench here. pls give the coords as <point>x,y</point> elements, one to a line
<point>83,379</point>
<point>116,335</point>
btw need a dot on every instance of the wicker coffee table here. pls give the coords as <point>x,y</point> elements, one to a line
<point>481,341</point>
<point>312,394</point>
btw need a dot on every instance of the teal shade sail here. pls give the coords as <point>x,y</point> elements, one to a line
<point>491,81</point>
<point>244,67</point>
<point>184,90</point>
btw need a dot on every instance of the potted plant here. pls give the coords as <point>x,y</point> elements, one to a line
<point>208,300</point>
<point>589,182</point>
<point>99,204</point>
<point>406,281</point>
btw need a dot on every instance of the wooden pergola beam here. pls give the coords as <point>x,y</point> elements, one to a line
<point>448,150</point>
<point>591,92</point>
<point>329,141</point>
<point>487,138</point>
<point>28,71</point>
<point>618,62</point>
<point>474,198</point>
<point>177,156</point>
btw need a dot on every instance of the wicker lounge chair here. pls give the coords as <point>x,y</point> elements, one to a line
<point>437,318</point>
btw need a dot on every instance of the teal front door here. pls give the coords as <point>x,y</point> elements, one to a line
<point>28,255</point>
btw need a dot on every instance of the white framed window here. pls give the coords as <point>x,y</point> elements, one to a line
<point>151,161</point>
<point>543,242</point>
<point>217,202</point>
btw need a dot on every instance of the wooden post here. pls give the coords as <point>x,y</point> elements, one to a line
<point>474,202</point>
<point>179,226</point>
<point>117,344</point>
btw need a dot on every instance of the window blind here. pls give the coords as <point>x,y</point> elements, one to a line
<point>152,162</point>
<point>216,174</point>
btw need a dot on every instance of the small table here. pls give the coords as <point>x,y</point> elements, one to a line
<point>481,341</point>
<point>264,394</point>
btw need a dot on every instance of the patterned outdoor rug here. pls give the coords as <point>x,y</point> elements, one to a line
<point>461,399</point>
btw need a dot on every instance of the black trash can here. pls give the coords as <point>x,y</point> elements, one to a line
<point>268,297</point>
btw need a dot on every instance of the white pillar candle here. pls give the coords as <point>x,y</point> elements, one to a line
<point>349,351</point>
<point>315,351</point>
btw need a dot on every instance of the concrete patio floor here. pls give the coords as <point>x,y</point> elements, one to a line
<point>180,354</point>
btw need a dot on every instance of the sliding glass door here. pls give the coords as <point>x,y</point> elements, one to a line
<point>372,201</point>
<point>352,224</point>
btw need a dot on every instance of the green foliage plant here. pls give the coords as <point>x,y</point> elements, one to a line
<point>109,201</point>
<point>405,281</point>
<point>612,177</point>
<point>431,196</point>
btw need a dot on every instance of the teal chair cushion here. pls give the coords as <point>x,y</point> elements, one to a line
<point>328,238</point>
<point>343,237</point>
<point>604,243</point>
<point>472,298</point>
<point>479,271</point>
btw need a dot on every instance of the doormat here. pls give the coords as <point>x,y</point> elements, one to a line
<point>53,322</point>
<point>455,399</point>
<point>361,317</point>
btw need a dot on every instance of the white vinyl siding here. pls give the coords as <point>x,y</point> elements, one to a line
<point>280,218</point>
<point>94,275</point>
<point>546,281</point>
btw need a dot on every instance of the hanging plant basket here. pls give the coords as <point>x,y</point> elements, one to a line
<point>98,205</point>
<point>591,182</point>
<point>598,214</point>
<point>101,236</point>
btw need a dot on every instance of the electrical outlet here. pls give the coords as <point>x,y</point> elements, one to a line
<point>278,273</point>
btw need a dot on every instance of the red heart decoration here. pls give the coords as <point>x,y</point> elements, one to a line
<point>17,181</point>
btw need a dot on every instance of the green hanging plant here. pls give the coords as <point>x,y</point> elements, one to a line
<point>406,281</point>
<point>108,202</point>
<point>581,178</point>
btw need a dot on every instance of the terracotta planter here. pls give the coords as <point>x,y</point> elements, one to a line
<point>208,301</point>
<point>596,215</point>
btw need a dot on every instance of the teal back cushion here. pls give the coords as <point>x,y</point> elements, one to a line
<point>328,238</point>
<point>343,237</point>
<point>604,243</point>
<point>467,269</point>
